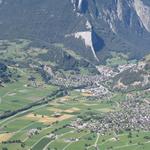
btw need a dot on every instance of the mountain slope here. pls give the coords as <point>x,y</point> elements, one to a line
<point>92,28</point>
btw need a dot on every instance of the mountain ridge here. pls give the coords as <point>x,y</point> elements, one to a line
<point>92,28</point>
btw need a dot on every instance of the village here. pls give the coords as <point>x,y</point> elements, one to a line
<point>134,115</point>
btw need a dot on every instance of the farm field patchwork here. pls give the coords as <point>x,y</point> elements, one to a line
<point>48,128</point>
<point>43,107</point>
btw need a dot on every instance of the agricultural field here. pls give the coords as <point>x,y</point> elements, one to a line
<point>48,127</point>
<point>120,59</point>
<point>23,92</point>
<point>22,89</point>
<point>85,115</point>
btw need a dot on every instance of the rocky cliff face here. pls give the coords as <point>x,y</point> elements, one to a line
<point>129,20</point>
<point>117,12</point>
<point>92,28</point>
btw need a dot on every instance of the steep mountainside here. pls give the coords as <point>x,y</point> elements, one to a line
<point>92,28</point>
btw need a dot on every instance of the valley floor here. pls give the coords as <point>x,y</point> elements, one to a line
<point>48,127</point>
<point>108,110</point>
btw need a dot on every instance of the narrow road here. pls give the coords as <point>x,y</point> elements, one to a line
<point>96,142</point>
<point>46,146</point>
<point>73,142</point>
<point>32,108</point>
<point>98,135</point>
<point>20,113</point>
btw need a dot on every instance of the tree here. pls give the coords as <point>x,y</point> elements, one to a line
<point>4,148</point>
<point>22,145</point>
<point>130,141</point>
<point>130,135</point>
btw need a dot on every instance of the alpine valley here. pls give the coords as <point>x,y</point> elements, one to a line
<point>74,74</point>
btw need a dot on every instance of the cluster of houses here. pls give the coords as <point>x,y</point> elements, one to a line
<point>86,83</point>
<point>95,83</point>
<point>78,80</point>
<point>99,91</point>
<point>134,115</point>
<point>106,71</point>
